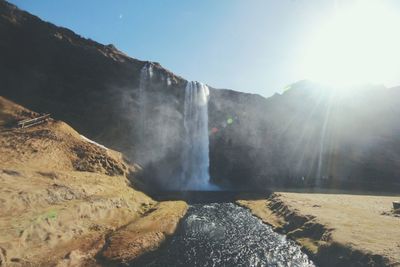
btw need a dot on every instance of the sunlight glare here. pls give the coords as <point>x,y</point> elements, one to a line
<point>359,44</point>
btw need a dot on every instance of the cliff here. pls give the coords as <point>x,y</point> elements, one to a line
<point>93,87</point>
<point>308,136</point>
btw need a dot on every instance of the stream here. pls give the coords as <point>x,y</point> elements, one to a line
<point>224,234</point>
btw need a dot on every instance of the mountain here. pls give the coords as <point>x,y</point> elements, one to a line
<point>308,136</point>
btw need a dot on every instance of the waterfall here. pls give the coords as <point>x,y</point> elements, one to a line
<point>159,132</point>
<point>146,75</point>
<point>195,160</point>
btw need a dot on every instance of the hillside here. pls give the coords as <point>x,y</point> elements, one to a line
<point>62,196</point>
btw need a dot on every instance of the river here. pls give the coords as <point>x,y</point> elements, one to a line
<point>224,234</point>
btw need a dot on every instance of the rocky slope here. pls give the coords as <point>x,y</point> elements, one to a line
<point>62,198</point>
<point>308,136</point>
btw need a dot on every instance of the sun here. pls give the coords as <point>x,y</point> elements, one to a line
<point>358,44</point>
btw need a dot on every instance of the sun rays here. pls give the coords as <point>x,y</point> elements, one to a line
<point>358,44</point>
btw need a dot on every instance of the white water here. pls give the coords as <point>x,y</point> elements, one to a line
<point>195,161</point>
<point>223,234</point>
<point>143,153</point>
<point>146,74</point>
<point>155,134</point>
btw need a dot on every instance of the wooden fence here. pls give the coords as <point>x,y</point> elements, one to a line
<point>31,122</point>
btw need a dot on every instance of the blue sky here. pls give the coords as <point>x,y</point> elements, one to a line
<point>255,46</point>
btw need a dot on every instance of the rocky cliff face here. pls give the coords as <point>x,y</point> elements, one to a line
<point>307,136</point>
<point>93,87</point>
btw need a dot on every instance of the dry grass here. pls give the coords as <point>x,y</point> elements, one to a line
<point>60,195</point>
<point>361,223</point>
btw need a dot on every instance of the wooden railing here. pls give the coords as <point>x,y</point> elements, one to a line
<point>31,122</point>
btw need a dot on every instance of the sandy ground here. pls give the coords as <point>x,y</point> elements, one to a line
<point>362,228</point>
<point>62,197</point>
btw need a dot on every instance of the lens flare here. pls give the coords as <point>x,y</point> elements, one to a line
<point>214,130</point>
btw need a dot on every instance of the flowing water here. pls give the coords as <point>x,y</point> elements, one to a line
<point>195,157</point>
<point>217,234</point>
<point>146,75</point>
<point>224,234</point>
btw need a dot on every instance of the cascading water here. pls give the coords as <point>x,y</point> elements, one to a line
<point>146,74</point>
<point>157,135</point>
<point>195,160</point>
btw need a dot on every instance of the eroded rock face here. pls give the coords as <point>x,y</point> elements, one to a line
<point>307,136</point>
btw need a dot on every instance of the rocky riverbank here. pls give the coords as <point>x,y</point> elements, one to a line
<point>335,229</point>
<point>66,201</point>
